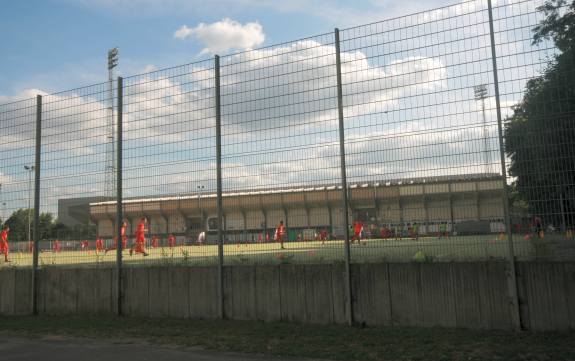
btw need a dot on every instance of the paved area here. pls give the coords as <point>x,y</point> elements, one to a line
<point>68,349</point>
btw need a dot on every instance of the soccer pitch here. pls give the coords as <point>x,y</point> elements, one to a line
<point>455,248</point>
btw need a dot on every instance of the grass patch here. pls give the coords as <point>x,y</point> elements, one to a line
<point>460,248</point>
<point>314,341</point>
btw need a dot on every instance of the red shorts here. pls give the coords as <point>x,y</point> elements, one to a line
<point>4,247</point>
<point>139,247</point>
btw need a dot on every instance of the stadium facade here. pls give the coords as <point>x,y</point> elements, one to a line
<point>473,202</point>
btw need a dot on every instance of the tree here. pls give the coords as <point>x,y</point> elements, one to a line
<point>18,223</point>
<point>49,228</point>
<point>540,134</point>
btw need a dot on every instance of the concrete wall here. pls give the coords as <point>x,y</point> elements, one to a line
<point>470,295</point>
<point>15,292</point>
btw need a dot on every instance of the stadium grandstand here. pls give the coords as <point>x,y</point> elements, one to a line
<point>467,204</point>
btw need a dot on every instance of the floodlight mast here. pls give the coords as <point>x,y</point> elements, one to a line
<point>480,95</point>
<point>110,172</point>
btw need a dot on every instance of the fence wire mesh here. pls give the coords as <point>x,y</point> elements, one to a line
<point>77,162</point>
<point>17,149</point>
<point>426,179</point>
<point>170,164</point>
<point>280,153</point>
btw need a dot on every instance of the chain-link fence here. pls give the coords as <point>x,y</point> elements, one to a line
<point>445,135</point>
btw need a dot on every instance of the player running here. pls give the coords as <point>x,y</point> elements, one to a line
<point>280,234</point>
<point>4,242</point>
<point>124,239</point>
<point>139,245</point>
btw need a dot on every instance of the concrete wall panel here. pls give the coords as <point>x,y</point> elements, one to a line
<point>268,295</point>
<point>297,217</point>
<point>318,217</point>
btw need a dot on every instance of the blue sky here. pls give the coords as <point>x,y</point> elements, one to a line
<point>54,45</point>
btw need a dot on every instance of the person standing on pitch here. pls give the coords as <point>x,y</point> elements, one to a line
<point>99,245</point>
<point>357,229</point>
<point>281,232</point>
<point>139,245</point>
<point>56,247</point>
<point>155,241</point>
<point>171,241</point>
<point>201,238</point>
<point>4,242</point>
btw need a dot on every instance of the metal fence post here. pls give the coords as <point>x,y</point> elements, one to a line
<point>349,306</point>
<point>219,189</point>
<point>119,215</point>
<point>512,275</point>
<point>35,285</point>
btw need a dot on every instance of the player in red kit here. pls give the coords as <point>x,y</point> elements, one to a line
<point>124,239</point>
<point>357,229</point>
<point>4,242</point>
<point>139,245</point>
<point>323,235</point>
<point>155,242</point>
<point>281,233</point>
<point>56,246</point>
<point>171,241</point>
<point>99,244</point>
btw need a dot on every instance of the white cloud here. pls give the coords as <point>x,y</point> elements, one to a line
<point>224,35</point>
<point>183,32</point>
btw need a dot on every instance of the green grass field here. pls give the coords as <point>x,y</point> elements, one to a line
<point>460,248</point>
<point>326,342</point>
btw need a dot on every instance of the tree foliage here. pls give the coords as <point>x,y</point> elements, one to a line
<point>540,134</point>
<point>48,226</point>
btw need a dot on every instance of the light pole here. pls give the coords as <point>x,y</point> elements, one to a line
<point>2,215</point>
<point>30,169</point>
<point>111,127</point>
<point>480,95</point>
<point>200,188</point>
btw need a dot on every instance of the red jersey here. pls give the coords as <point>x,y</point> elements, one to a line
<point>123,231</point>
<point>141,230</point>
<point>357,227</point>
<point>281,230</point>
<point>4,236</point>
<point>171,241</point>
<point>99,244</point>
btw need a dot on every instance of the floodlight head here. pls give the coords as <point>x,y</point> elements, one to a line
<point>113,52</point>
<point>112,58</point>
<point>480,91</point>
